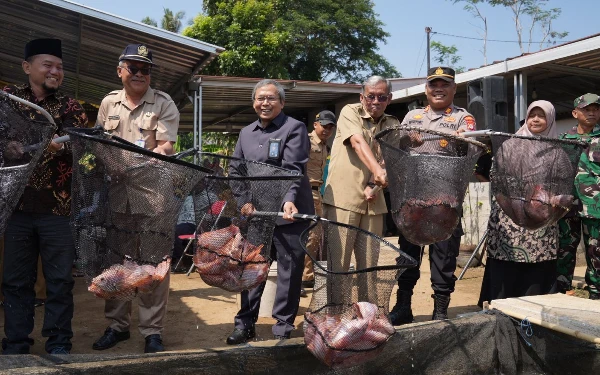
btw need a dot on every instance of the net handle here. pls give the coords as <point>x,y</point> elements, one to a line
<point>29,104</point>
<point>295,216</point>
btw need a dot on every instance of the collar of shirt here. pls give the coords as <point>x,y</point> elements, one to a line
<point>277,121</point>
<point>314,134</point>
<point>364,114</point>
<point>594,132</point>
<point>148,97</point>
<point>26,89</point>
<point>439,113</point>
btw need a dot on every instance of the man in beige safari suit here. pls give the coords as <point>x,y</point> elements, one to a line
<point>354,169</point>
<point>150,119</point>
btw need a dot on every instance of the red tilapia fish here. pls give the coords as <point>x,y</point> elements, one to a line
<point>125,281</point>
<point>424,222</point>
<point>225,259</point>
<point>347,340</point>
<point>539,210</point>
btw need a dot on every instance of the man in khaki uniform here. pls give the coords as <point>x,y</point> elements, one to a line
<point>440,115</point>
<point>150,119</point>
<point>323,129</point>
<point>355,167</point>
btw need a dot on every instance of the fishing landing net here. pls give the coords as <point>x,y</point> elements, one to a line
<point>125,201</point>
<point>347,320</point>
<point>428,175</point>
<point>532,177</point>
<point>233,248</point>
<point>22,144</point>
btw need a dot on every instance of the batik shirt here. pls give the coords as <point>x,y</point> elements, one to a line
<point>49,188</point>
<point>587,180</point>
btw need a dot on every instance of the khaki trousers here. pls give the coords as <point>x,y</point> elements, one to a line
<point>314,240</point>
<point>151,311</point>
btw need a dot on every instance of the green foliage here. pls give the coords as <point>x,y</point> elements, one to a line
<point>316,40</point>
<point>150,21</point>
<point>447,56</point>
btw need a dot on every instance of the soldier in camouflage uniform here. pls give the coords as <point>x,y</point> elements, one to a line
<point>587,191</point>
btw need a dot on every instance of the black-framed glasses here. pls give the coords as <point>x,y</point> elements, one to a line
<point>380,98</point>
<point>134,70</point>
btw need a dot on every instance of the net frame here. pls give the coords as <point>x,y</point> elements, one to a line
<point>526,187</point>
<point>338,296</point>
<point>427,181</point>
<point>31,137</point>
<point>113,270</point>
<point>261,184</point>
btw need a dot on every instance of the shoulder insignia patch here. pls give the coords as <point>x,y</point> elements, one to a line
<point>448,110</point>
<point>470,121</point>
<point>426,109</point>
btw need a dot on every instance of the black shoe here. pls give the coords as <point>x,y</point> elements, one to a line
<point>281,337</point>
<point>402,312</point>
<point>240,336</point>
<point>154,344</point>
<point>308,284</point>
<point>59,350</point>
<point>110,339</point>
<point>440,306</point>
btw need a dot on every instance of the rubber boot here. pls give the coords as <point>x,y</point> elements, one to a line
<point>440,306</point>
<point>402,312</point>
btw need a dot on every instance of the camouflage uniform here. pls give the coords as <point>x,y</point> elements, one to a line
<point>587,219</point>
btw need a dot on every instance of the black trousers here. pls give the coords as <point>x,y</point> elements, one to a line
<point>289,253</point>
<point>28,236</point>
<point>442,261</point>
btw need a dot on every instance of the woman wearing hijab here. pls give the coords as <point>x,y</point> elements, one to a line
<point>522,262</point>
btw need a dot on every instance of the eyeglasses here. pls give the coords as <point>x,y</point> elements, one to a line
<point>269,99</point>
<point>134,70</point>
<point>380,98</point>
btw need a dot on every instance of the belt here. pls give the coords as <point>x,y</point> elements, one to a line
<point>315,188</point>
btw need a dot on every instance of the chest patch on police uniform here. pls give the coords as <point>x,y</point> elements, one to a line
<point>418,122</point>
<point>416,117</point>
<point>450,119</point>
<point>447,125</point>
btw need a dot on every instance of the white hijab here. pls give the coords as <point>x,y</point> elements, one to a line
<point>548,108</point>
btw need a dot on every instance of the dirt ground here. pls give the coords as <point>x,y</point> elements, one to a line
<point>201,317</point>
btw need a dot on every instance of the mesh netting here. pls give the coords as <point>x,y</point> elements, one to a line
<point>125,205</point>
<point>532,177</point>
<point>22,143</point>
<point>347,320</point>
<point>428,176</point>
<point>233,248</point>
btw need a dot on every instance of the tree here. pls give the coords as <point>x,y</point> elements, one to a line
<point>472,7</point>
<point>316,40</point>
<point>170,22</point>
<point>150,21</point>
<point>540,18</point>
<point>447,56</point>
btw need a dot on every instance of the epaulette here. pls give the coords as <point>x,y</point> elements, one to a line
<point>163,94</point>
<point>114,92</point>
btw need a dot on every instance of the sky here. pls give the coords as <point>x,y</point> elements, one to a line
<point>405,21</point>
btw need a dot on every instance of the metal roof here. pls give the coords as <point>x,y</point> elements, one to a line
<point>92,42</point>
<point>558,74</point>
<point>227,101</point>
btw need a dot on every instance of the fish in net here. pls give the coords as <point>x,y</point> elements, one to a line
<point>428,175</point>
<point>532,177</point>
<point>233,247</point>
<point>347,321</point>
<point>22,144</point>
<point>125,201</point>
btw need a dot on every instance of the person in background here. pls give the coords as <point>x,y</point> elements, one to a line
<point>279,140</point>
<point>150,119</point>
<point>522,262</point>
<point>440,115</point>
<point>586,219</point>
<point>39,226</point>
<point>323,129</point>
